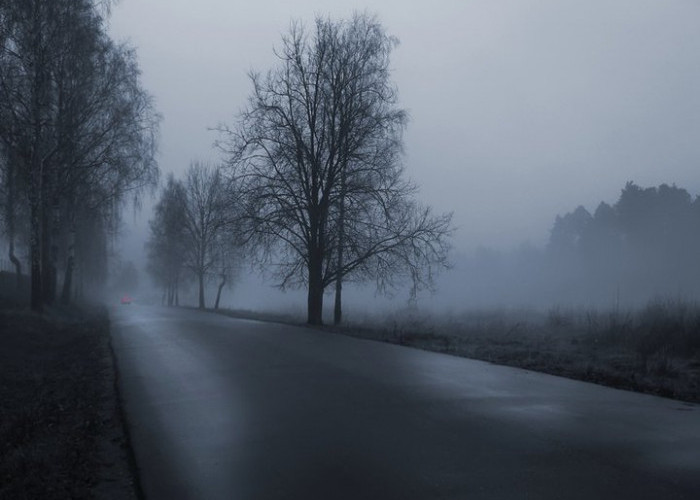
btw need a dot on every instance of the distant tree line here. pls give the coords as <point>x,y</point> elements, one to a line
<point>77,139</point>
<point>642,246</point>
<point>649,240</point>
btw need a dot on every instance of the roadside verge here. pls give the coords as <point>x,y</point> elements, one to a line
<point>62,434</point>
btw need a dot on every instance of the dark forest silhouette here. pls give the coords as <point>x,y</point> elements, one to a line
<point>647,242</point>
<point>643,246</point>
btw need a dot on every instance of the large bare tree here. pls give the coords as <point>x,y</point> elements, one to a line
<point>317,152</point>
<point>380,231</point>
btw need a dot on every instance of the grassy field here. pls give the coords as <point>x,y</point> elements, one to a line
<point>654,349</point>
<point>61,431</point>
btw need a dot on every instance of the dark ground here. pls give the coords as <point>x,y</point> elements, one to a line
<point>233,409</point>
<point>62,434</point>
<point>61,429</point>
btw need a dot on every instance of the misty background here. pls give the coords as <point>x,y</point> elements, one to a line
<point>519,112</point>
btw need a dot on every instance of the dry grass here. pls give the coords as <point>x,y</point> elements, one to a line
<point>272,317</point>
<point>655,349</point>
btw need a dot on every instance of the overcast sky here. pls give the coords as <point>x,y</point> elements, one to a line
<point>519,109</point>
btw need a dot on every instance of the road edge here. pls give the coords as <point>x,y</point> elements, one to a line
<point>375,335</point>
<point>124,421</point>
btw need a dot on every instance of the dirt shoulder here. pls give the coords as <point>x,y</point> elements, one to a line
<point>62,434</point>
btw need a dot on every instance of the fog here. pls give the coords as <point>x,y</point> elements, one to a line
<point>519,112</point>
<point>379,249</point>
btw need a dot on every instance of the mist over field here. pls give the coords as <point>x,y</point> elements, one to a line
<point>518,114</point>
<point>600,257</point>
<point>515,116</point>
<point>330,249</point>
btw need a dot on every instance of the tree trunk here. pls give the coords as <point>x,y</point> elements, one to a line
<point>218,292</point>
<point>177,292</point>
<point>46,258</point>
<point>315,296</point>
<point>80,288</point>
<point>35,253</point>
<point>201,290</point>
<point>15,261</point>
<point>10,214</point>
<point>68,278</point>
<point>338,309</point>
<point>67,281</point>
<point>53,257</point>
<point>48,269</point>
<point>36,189</point>
<point>315,305</point>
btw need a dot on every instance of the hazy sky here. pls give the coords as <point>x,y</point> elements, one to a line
<point>519,109</point>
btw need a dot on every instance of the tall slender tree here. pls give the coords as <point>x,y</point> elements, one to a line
<point>75,122</point>
<point>166,244</point>
<point>13,211</point>
<point>206,217</point>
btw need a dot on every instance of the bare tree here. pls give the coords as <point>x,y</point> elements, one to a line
<point>206,217</point>
<point>227,256</point>
<point>381,233</point>
<point>9,176</point>
<point>107,135</point>
<point>75,121</point>
<point>166,244</point>
<point>28,43</point>
<point>317,152</point>
<point>195,229</point>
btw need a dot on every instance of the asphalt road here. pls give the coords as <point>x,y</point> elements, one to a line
<point>234,409</point>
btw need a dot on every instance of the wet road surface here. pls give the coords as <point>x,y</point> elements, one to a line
<point>235,409</point>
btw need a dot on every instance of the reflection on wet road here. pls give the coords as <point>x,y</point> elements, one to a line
<point>233,409</point>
